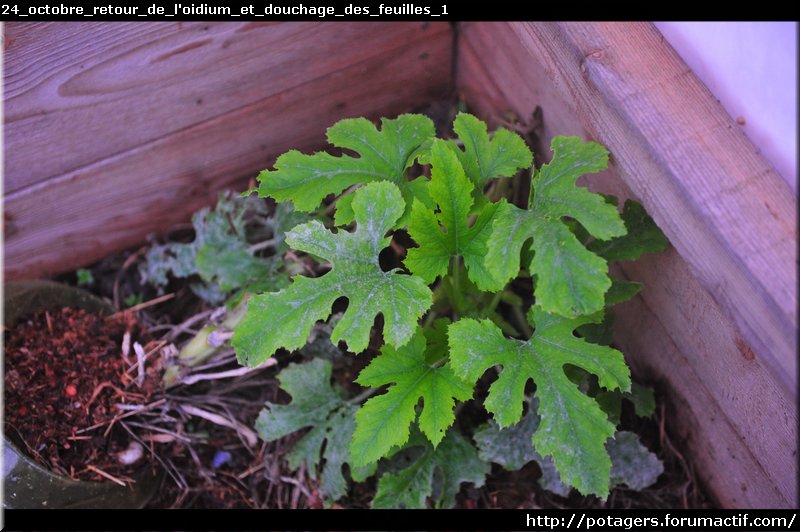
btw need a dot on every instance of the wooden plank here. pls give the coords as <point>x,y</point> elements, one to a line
<point>492,70</point>
<point>731,217</point>
<point>715,374</point>
<point>76,93</point>
<point>675,333</point>
<point>81,216</point>
<point>728,466</point>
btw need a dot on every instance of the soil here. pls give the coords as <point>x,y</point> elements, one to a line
<point>64,379</point>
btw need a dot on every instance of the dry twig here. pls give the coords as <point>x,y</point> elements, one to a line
<point>249,435</point>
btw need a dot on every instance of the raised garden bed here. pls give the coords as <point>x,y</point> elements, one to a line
<point>716,327</point>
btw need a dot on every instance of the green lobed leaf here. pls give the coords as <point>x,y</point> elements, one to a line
<point>621,291</point>
<point>571,280</point>
<point>447,234</point>
<point>316,404</point>
<point>643,399</point>
<point>284,319</point>
<point>573,428</point>
<point>437,473</point>
<point>643,236</point>
<point>383,155</point>
<point>383,421</point>
<point>502,156</point>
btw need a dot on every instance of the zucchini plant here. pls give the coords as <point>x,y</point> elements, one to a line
<point>516,296</point>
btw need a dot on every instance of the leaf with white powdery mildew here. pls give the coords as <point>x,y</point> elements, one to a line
<point>383,421</point>
<point>511,447</point>
<point>436,473</point>
<point>220,253</point>
<point>384,155</point>
<point>284,319</point>
<point>632,463</point>
<point>571,280</point>
<point>316,404</point>
<point>573,428</point>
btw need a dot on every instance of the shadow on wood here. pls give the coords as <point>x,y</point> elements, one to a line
<point>114,131</point>
<point>717,321</point>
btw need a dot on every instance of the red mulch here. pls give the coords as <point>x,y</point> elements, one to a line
<point>65,373</point>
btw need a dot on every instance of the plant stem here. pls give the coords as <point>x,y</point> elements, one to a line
<point>428,320</point>
<point>494,302</point>
<point>208,341</point>
<point>501,190</point>
<point>262,245</point>
<point>520,319</point>
<point>441,362</point>
<point>363,395</point>
<point>456,284</point>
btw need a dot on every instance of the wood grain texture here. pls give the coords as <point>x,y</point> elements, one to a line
<point>741,421</point>
<point>170,161</point>
<point>732,462</point>
<point>80,92</point>
<point>713,374</point>
<point>739,415</point>
<point>731,217</point>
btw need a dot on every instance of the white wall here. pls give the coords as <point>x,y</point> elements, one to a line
<point>752,68</point>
